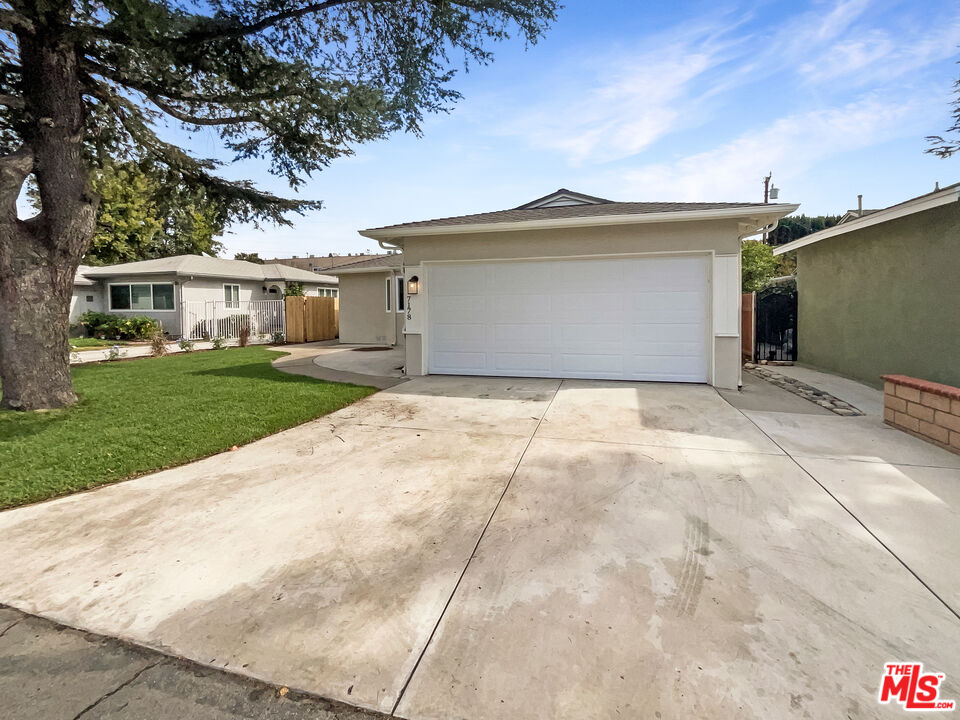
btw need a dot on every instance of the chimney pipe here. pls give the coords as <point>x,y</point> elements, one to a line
<point>859,204</point>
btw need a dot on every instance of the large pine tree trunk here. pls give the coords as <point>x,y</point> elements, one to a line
<point>35,291</point>
<point>38,258</point>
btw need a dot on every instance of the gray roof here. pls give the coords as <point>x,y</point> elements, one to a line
<point>598,209</point>
<point>186,265</point>
<point>81,279</point>
<point>383,262</point>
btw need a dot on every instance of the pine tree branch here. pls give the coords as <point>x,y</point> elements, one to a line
<point>14,22</point>
<point>235,30</point>
<point>197,120</point>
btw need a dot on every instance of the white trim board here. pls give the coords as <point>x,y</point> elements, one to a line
<point>758,215</point>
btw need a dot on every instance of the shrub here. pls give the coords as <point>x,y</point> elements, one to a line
<point>185,344</point>
<point>244,335</point>
<point>218,343</point>
<point>158,343</point>
<point>114,327</point>
<point>115,353</point>
<point>294,289</point>
<point>279,338</point>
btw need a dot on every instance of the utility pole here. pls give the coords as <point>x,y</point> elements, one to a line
<point>769,191</point>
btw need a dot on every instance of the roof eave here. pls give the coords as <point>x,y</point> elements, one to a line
<point>762,215</point>
<point>911,207</point>
<point>370,269</point>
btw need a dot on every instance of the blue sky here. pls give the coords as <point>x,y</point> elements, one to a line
<point>660,101</point>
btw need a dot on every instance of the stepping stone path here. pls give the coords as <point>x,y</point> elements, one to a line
<point>808,392</point>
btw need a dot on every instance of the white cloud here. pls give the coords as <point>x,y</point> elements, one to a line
<point>688,76</point>
<point>625,102</point>
<point>792,145</point>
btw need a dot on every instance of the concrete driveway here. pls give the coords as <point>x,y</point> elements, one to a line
<point>500,548</point>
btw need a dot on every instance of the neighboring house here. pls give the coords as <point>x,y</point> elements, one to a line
<point>372,300</point>
<point>322,263</point>
<point>570,285</point>
<point>879,294</point>
<point>165,288</point>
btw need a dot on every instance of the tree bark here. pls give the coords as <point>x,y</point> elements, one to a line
<point>39,257</point>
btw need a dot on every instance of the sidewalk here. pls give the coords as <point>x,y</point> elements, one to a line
<point>138,351</point>
<point>863,397</point>
<point>51,672</point>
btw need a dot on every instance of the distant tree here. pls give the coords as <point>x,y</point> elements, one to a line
<point>127,218</point>
<point>294,289</point>
<point>143,216</point>
<point>945,147</point>
<point>249,257</point>
<point>757,265</point>
<point>796,226</point>
<point>297,84</point>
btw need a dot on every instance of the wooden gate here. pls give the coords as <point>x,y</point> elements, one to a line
<point>312,318</point>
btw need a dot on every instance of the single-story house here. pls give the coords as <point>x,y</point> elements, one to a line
<point>372,300</point>
<point>167,287</point>
<point>568,285</point>
<point>879,294</point>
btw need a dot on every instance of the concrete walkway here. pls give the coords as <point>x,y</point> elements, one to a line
<point>866,399</point>
<point>331,361</point>
<point>502,548</point>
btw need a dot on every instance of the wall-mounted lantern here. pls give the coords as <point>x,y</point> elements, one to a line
<point>413,285</point>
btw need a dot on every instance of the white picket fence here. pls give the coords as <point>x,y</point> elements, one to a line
<point>216,318</point>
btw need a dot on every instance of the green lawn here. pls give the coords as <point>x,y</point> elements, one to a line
<point>152,413</point>
<point>94,343</point>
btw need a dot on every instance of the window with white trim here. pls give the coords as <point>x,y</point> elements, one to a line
<point>141,296</point>
<point>400,295</point>
<point>389,294</point>
<point>231,296</point>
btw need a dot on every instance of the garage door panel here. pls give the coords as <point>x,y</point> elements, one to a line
<point>519,363</point>
<point>629,319</point>
<point>592,333</point>
<point>455,309</point>
<point>447,333</point>
<point>667,301</point>
<point>529,308</point>
<point>526,333</point>
<point>587,307</point>
<point>657,317</point>
<point>666,333</point>
<point>670,367</point>
<point>459,361</point>
<point>521,278</point>
<point>592,363</point>
<point>603,275</point>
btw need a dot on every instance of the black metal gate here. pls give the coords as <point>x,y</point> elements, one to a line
<point>776,337</point>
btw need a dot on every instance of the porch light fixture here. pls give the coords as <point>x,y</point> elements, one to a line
<point>413,285</point>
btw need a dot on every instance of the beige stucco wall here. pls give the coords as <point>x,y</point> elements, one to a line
<point>566,242</point>
<point>364,317</point>
<point>683,237</point>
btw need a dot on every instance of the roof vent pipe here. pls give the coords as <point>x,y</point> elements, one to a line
<point>859,204</point>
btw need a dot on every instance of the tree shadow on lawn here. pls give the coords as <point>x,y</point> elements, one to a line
<point>257,371</point>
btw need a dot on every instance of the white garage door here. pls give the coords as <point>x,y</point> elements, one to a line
<point>626,319</point>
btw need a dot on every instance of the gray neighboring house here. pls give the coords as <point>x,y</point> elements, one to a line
<point>372,300</point>
<point>167,288</point>
<point>567,285</point>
